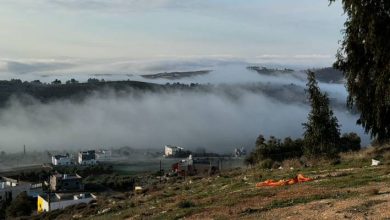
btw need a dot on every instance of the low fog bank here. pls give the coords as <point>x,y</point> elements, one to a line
<point>215,120</point>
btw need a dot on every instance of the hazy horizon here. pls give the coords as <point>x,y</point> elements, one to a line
<point>131,36</point>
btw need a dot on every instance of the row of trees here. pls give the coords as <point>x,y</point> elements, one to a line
<point>73,81</point>
<point>55,82</point>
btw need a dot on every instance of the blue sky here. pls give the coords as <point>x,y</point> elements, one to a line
<point>117,30</point>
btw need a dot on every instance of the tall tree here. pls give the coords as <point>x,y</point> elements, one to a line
<point>322,133</point>
<point>364,58</point>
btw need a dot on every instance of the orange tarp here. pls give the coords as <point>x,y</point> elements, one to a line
<point>298,179</point>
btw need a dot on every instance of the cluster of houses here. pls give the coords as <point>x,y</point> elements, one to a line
<point>84,158</point>
<point>63,190</point>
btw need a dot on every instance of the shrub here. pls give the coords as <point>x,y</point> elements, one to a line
<point>21,206</point>
<point>266,164</point>
<point>186,204</point>
<point>275,150</point>
<point>350,142</point>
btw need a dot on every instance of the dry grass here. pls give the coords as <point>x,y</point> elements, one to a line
<point>359,155</point>
<point>294,163</point>
<point>351,185</point>
<point>373,192</point>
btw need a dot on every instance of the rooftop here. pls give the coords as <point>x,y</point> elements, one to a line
<point>174,147</point>
<point>67,176</point>
<point>57,197</point>
<point>60,156</point>
<point>87,152</point>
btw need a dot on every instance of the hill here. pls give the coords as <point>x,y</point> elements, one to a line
<point>176,75</point>
<point>329,75</point>
<point>351,189</point>
<point>49,92</point>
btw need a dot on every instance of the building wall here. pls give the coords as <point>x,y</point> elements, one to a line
<point>58,183</point>
<point>87,158</point>
<point>43,205</point>
<point>168,151</point>
<point>15,191</point>
<point>103,155</point>
<point>63,161</point>
<point>172,150</point>
<point>66,203</point>
<point>87,162</point>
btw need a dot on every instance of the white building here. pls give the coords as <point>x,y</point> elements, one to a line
<point>60,201</point>
<point>239,152</point>
<point>87,158</point>
<point>10,188</point>
<point>103,155</point>
<point>171,151</point>
<point>61,160</point>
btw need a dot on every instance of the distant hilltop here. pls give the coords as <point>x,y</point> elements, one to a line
<point>329,75</point>
<point>325,75</point>
<point>266,70</point>
<point>176,75</point>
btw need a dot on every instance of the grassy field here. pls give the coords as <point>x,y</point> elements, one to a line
<point>351,189</point>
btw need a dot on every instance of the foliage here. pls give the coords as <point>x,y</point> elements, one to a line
<point>266,164</point>
<point>93,80</point>
<point>365,60</point>
<point>72,81</point>
<point>33,176</point>
<point>350,142</point>
<point>322,133</point>
<point>56,82</point>
<point>20,206</point>
<point>3,206</point>
<point>275,150</point>
<point>115,182</point>
<point>186,204</point>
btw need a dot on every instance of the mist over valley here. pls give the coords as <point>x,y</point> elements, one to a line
<point>218,110</point>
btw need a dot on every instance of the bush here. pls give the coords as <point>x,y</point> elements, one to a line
<point>266,164</point>
<point>350,142</point>
<point>3,206</point>
<point>21,206</point>
<point>115,182</point>
<point>274,150</point>
<point>186,204</point>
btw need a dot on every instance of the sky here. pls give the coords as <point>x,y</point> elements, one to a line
<point>63,33</point>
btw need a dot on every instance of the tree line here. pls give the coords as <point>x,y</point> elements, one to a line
<point>321,138</point>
